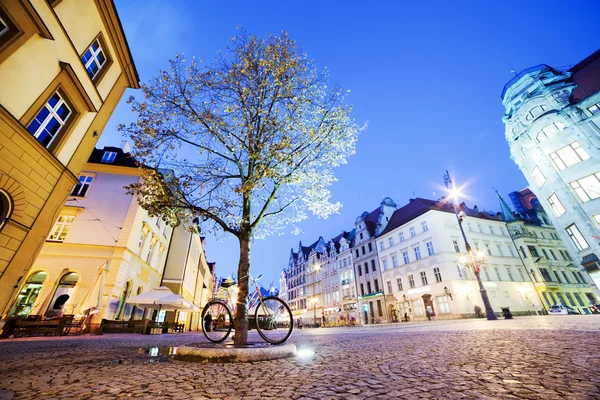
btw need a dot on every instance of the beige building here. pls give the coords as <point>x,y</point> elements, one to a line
<point>64,65</point>
<point>188,274</point>
<point>99,227</point>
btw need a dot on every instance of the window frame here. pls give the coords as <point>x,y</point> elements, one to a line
<point>83,185</point>
<point>556,205</point>
<point>107,62</point>
<point>573,236</point>
<point>581,192</point>
<point>67,224</point>
<point>574,147</point>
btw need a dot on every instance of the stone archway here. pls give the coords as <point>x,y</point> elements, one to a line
<point>392,313</point>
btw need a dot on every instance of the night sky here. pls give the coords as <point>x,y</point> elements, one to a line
<point>426,75</point>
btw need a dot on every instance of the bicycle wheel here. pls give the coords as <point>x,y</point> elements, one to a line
<point>274,321</point>
<point>216,321</point>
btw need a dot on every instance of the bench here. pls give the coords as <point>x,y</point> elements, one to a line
<point>53,327</point>
<point>173,326</point>
<point>118,326</point>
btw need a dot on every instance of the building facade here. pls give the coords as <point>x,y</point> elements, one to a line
<point>60,80</point>
<point>372,299</point>
<point>99,228</point>
<point>422,256</point>
<point>188,273</point>
<point>553,129</point>
<point>558,279</point>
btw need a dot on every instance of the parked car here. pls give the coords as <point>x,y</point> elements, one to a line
<point>561,309</point>
<point>595,308</point>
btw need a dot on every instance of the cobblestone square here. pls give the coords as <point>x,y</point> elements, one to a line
<point>527,358</point>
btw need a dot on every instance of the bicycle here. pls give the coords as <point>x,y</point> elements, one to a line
<point>272,316</point>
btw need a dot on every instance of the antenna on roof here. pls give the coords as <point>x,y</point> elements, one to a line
<point>512,69</point>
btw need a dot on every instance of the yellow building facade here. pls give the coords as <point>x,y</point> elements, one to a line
<point>100,230</point>
<point>64,65</point>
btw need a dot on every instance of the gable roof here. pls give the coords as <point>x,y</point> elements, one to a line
<point>419,206</point>
<point>122,159</point>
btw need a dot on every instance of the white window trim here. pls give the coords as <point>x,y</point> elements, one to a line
<point>94,57</point>
<point>52,114</point>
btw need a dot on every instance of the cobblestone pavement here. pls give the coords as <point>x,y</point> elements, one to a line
<point>554,357</point>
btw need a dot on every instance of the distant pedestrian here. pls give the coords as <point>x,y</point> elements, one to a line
<point>405,316</point>
<point>477,311</point>
<point>428,315</point>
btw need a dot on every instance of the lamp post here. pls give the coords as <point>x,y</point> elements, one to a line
<point>489,312</point>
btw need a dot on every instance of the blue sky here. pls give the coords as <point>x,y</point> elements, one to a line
<point>427,76</point>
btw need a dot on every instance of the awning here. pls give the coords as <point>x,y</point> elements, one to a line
<point>162,299</point>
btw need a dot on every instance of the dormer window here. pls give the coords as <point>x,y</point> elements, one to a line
<point>109,157</point>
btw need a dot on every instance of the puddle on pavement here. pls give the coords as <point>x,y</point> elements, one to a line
<point>145,356</point>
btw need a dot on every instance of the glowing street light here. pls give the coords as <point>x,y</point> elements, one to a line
<point>489,312</point>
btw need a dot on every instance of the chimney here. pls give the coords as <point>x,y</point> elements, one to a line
<point>125,146</point>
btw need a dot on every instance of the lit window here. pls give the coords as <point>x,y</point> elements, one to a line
<point>418,253</point>
<point>430,250</point>
<point>109,157</point>
<point>595,109</point>
<point>577,237</point>
<point>93,59</point>
<point>597,218</point>
<point>568,155</point>
<point>424,225</point>
<point>399,283</point>
<point>50,120</point>
<point>80,189</point>
<point>424,278</point>
<point>438,275</point>
<point>443,304</point>
<point>150,252</point>
<point>412,231</point>
<point>587,188</point>
<point>411,281</point>
<point>538,177</point>
<point>61,228</point>
<point>549,130</point>
<point>556,205</point>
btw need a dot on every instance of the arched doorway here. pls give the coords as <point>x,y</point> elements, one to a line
<point>392,313</point>
<point>64,292</point>
<point>28,295</point>
<point>428,302</point>
<point>123,308</point>
<point>137,312</point>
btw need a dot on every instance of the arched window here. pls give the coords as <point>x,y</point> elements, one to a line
<point>136,312</point>
<point>64,292</point>
<point>28,294</point>
<point>6,207</point>
<point>535,112</point>
<point>549,130</point>
<point>121,311</point>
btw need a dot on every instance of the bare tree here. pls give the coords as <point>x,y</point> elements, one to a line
<point>248,143</point>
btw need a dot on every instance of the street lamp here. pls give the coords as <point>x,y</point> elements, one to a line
<point>314,300</point>
<point>489,312</point>
<point>448,293</point>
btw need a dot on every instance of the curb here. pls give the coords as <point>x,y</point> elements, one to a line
<point>232,354</point>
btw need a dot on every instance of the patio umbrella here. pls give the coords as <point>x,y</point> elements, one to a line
<point>162,298</point>
<point>92,302</point>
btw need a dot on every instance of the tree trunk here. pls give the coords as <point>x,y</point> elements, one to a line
<point>241,317</point>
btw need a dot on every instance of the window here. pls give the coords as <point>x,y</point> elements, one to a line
<point>418,253</point>
<point>362,289</point>
<point>412,231</point>
<point>549,130</point>
<point>564,274</point>
<point>595,109</point>
<point>424,225</point>
<point>511,251</point>
<point>370,247</point>
<point>509,273</point>
<point>492,230</point>
<point>436,273</point>
<point>597,218</point>
<point>578,298</point>
<point>399,283</point>
<point>538,176</point>
<point>430,250</point>
<point>363,250</point>
<point>361,236</point>
<point>50,120</point>
<point>499,248</point>
<point>480,228</point>
<point>469,227</point>
<point>369,287</point>
<point>389,286</point>
<point>487,248</point>
<point>587,188</point>
<point>545,275</point>
<point>556,205</point>
<point>401,236</point>
<point>376,282</point>
<point>385,265</point>
<point>486,273</point>
<point>109,157</point>
<point>521,274</point>
<point>443,304</point>
<point>456,248</point>
<point>533,251</point>
<point>411,281</point>
<point>568,155</point>
<point>359,271</point>
<point>391,241</point>
<point>94,59</point>
<point>545,254</point>
<point>394,261</point>
<point>577,237</point>
<point>502,232</point>
<point>497,270</point>
<point>424,278</point>
<point>405,255</point>
<point>381,245</point>
<point>379,309</point>
<point>61,228</point>
<point>373,265</point>
<point>81,188</point>
<point>357,253</point>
